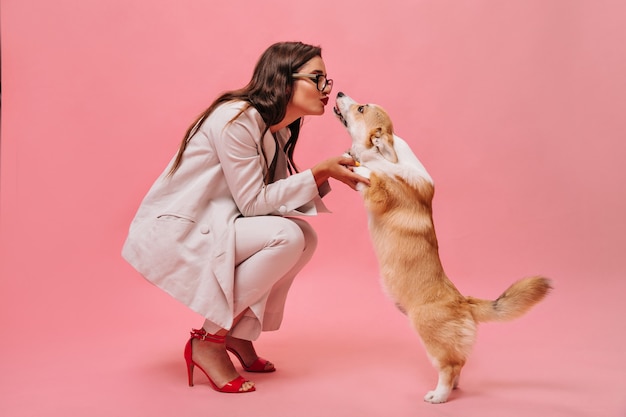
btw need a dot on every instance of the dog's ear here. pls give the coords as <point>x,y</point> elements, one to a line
<point>384,143</point>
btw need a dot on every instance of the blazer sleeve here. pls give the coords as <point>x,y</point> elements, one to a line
<point>238,145</point>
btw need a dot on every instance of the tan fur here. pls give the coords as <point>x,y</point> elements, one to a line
<point>399,203</point>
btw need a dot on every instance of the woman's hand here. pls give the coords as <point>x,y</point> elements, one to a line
<point>339,168</point>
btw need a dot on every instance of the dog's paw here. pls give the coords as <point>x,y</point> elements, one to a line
<point>436,397</point>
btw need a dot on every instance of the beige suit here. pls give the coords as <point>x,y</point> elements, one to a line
<point>182,238</point>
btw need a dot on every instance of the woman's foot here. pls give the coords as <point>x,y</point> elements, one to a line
<point>214,360</point>
<point>244,350</point>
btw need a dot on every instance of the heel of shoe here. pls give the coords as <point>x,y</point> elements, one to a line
<point>190,373</point>
<point>189,361</point>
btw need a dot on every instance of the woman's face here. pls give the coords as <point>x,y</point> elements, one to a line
<point>307,99</point>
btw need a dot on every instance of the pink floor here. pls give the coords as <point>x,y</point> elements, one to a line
<point>515,107</point>
<point>121,355</point>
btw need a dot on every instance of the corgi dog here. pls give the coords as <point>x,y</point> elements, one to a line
<point>398,201</point>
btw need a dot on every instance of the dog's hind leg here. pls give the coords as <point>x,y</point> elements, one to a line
<point>448,344</point>
<point>456,382</point>
<point>448,380</point>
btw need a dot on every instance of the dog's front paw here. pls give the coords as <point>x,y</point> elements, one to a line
<point>436,397</point>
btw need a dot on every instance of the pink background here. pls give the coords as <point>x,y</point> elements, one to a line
<point>517,108</point>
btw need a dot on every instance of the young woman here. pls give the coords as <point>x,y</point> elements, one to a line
<point>216,230</point>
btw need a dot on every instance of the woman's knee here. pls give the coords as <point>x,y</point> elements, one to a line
<point>309,234</point>
<point>289,235</point>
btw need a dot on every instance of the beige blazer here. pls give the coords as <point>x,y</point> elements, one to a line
<point>182,237</point>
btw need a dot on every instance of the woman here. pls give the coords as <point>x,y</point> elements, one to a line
<point>213,230</point>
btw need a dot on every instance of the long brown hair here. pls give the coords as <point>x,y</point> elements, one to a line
<point>269,92</point>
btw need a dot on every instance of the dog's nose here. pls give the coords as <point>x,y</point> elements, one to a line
<point>340,94</point>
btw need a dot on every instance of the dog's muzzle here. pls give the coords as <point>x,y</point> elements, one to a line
<point>339,115</point>
<point>337,110</point>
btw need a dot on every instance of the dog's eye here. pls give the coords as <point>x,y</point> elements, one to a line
<point>361,109</point>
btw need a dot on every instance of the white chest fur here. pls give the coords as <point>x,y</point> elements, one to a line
<point>408,166</point>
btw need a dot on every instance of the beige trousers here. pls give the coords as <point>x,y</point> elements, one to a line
<point>269,253</point>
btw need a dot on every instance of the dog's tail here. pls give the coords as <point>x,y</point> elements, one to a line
<point>513,302</point>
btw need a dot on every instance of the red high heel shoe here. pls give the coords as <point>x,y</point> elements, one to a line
<point>258,365</point>
<point>233,386</point>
